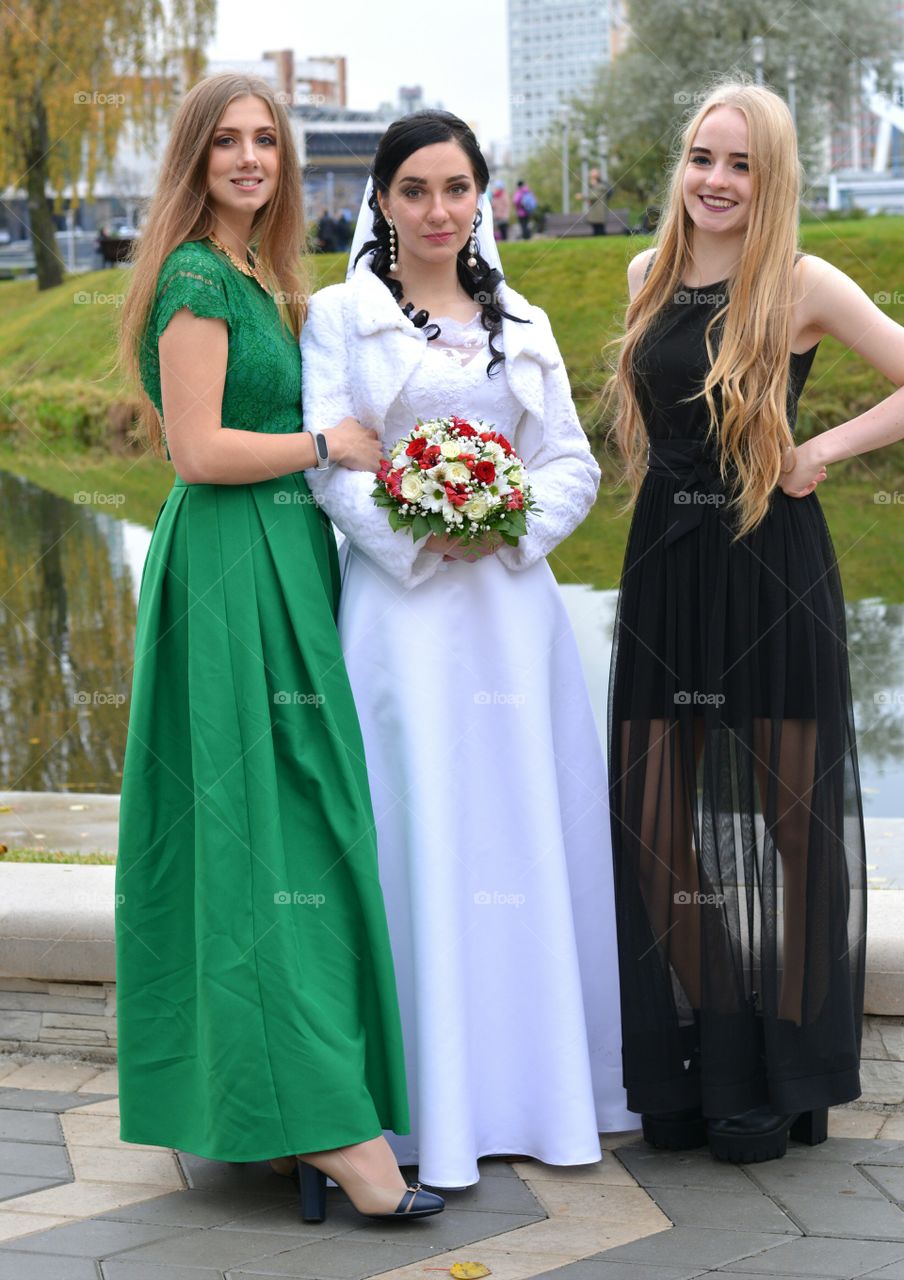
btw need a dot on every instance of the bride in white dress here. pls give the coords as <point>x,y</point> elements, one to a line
<point>488,780</point>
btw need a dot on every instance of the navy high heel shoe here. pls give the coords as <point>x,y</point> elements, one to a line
<point>366,1198</point>
<point>760,1134</point>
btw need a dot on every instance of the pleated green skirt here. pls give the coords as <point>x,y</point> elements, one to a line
<point>257,1011</point>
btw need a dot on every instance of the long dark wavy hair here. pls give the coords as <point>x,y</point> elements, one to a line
<point>402,139</point>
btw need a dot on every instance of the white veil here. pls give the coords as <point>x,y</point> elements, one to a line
<point>365,224</point>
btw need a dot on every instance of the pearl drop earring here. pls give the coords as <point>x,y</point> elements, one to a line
<point>393,265</point>
<point>472,261</point>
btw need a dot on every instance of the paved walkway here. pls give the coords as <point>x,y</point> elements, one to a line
<point>77,1204</point>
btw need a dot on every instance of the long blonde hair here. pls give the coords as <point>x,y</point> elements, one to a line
<point>180,212</point>
<point>749,368</point>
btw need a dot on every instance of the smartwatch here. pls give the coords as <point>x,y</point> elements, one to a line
<point>322,450</point>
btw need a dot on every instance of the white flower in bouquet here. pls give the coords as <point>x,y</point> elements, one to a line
<point>412,487</point>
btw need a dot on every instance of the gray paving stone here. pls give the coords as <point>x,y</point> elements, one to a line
<point>853,1217</point>
<point>93,1238</point>
<point>893,1272</point>
<point>47,1099</point>
<point>746,1211</point>
<point>285,1219</point>
<point>34,1160</point>
<point>681,1169</point>
<point>889,1177</point>
<point>213,1247</point>
<point>799,1177</point>
<point>687,1246</point>
<point>334,1260</point>
<point>621,1271</point>
<point>209,1209</point>
<point>255,1175</point>
<point>494,1195</point>
<point>449,1229</point>
<point>29,1266</point>
<point>820,1257</point>
<point>117,1270</point>
<point>12,1184</point>
<point>29,1126</point>
<point>852,1150</point>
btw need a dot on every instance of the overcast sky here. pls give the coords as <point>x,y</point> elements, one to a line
<point>457,52</point>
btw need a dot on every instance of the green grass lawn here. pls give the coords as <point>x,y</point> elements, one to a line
<point>57,385</point>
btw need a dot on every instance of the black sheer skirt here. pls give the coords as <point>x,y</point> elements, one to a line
<point>737,826</point>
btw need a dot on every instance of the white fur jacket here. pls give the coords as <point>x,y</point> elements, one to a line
<point>358,351</point>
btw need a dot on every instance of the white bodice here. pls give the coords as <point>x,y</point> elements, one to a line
<point>452,378</point>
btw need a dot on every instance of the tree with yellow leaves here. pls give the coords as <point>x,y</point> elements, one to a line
<point>74,74</point>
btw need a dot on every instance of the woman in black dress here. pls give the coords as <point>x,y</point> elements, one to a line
<point>735,798</point>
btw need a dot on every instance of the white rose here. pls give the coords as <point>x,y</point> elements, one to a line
<point>450,448</point>
<point>457,473</point>
<point>400,462</point>
<point>412,487</point>
<point>494,453</point>
<point>477,507</point>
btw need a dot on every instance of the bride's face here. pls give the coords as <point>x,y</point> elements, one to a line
<point>432,200</point>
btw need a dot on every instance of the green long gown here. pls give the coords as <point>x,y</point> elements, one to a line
<point>257,1007</point>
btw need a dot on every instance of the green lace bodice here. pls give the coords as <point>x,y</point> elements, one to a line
<point>263,371</point>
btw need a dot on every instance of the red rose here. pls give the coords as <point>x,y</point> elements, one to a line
<point>431,456</point>
<point>515,500</point>
<point>467,431</point>
<point>416,447</point>
<point>461,423</point>
<point>485,472</point>
<point>486,436</point>
<point>504,445</point>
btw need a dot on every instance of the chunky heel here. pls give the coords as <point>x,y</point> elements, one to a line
<point>675,1131</point>
<point>811,1127</point>
<point>313,1194</point>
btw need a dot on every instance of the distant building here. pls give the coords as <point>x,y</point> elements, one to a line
<point>556,48</point>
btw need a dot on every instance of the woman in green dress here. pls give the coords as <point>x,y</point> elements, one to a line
<point>256,999</point>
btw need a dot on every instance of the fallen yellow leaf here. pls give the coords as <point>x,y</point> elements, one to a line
<point>6,808</point>
<point>469,1270</point>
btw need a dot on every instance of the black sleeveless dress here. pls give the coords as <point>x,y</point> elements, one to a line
<point>737,825</point>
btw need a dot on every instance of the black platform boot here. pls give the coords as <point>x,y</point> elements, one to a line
<point>760,1134</point>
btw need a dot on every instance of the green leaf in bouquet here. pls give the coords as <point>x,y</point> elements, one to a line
<point>516,523</point>
<point>420,527</point>
<point>395,519</point>
<point>437,524</point>
<point>509,538</point>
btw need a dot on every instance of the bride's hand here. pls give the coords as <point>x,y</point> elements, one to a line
<point>456,549</point>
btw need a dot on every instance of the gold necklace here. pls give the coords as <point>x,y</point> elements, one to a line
<point>236,261</point>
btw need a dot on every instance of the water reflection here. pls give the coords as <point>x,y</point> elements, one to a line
<point>70,578</point>
<point>67,626</point>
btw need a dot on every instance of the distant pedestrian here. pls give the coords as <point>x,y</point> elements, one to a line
<point>525,205</point>
<point>597,201</point>
<point>502,210</point>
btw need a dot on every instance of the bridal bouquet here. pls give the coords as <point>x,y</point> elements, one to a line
<point>451,476</point>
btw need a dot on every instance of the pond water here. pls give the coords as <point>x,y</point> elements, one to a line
<point>69,578</point>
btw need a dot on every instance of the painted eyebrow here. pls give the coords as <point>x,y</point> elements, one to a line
<point>260,129</point>
<point>738,155</point>
<point>422,182</point>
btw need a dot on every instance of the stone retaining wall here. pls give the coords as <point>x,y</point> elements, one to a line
<point>49,1017</point>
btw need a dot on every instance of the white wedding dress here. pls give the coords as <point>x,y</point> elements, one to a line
<point>490,795</point>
